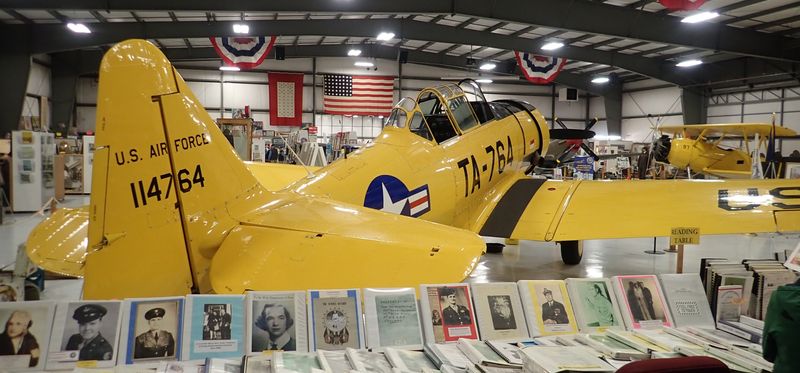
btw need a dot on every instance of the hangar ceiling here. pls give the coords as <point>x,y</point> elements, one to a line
<point>752,43</point>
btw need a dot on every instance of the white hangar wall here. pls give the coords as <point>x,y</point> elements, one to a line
<point>220,92</point>
<point>645,104</point>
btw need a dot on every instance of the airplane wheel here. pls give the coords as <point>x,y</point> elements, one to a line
<point>571,252</point>
<point>495,248</point>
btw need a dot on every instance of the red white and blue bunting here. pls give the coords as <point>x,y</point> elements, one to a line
<point>539,69</point>
<point>243,52</point>
<point>678,5</point>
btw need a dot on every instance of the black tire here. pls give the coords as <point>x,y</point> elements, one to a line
<point>571,252</point>
<point>495,248</point>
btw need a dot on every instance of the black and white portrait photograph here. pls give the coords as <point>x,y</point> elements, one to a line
<point>91,329</point>
<point>643,299</point>
<point>501,311</point>
<point>453,303</point>
<point>156,330</point>
<point>553,310</point>
<point>217,322</point>
<point>273,326</point>
<point>25,336</point>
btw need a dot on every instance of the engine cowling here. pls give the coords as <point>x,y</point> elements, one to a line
<point>661,148</point>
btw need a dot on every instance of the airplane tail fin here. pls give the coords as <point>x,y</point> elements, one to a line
<point>164,173</point>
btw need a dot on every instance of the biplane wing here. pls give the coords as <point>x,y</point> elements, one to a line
<point>735,129</point>
<point>548,210</point>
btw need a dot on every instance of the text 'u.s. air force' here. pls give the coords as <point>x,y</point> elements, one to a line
<point>133,155</point>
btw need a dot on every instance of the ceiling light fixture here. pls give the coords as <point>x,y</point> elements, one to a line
<point>689,63</point>
<point>354,52</point>
<point>229,68</point>
<point>553,45</point>
<point>241,28</point>
<point>608,137</point>
<point>483,81</point>
<point>78,27</point>
<point>488,66</point>
<point>383,36</point>
<point>601,80</point>
<point>364,64</point>
<point>700,17</point>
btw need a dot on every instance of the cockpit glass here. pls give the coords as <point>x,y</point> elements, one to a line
<point>396,119</point>
<point>462,113</point>
<point>419,127</point>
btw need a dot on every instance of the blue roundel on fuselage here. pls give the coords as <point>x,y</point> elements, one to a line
<point>388,193</point>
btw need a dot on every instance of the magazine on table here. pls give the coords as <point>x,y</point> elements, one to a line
<point>498,308</point>
<point>297,362</point>
<point>335,319</point>
<point>448,354</point>
<point>595,305</point>
<point>152,330</point>
<point>447,312</point>
<point>687,300</point>
<point>85,331</point>
<point>548,309</point>
<point>392,318</point>
<point>510,353</point>
<point>276,320</point>
<point>480,353</point>
<point>26,334</point>
<point>214,327</point>
<point>642,301</point>
<point>257,364</point>
<point>218,365</point>
<point>552,359</point>
<point>366,361</point>
<point>411,361</point>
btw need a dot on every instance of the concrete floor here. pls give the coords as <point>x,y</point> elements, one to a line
<point>529,260</point>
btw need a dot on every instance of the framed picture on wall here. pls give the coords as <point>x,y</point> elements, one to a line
<point>792,170</point>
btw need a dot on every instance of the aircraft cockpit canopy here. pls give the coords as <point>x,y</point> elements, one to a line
<point>405,114</point>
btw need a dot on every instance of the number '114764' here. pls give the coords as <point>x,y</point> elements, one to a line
<point>159,187</point>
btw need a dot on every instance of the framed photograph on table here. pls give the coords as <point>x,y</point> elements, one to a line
<point>792,170</point>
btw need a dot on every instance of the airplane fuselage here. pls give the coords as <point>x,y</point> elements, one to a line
<point>446,183</point>
<point>704,157</point>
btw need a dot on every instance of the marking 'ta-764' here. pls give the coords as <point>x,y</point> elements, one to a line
<point>502,155</point>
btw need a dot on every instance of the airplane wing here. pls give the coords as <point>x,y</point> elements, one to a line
<point>548,210</point>
<point>276,176</point>
<point>737,129</point>
<point>59,242</point>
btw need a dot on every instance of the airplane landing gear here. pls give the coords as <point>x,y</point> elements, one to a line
<point>571,252</point>
<point>494,248</point>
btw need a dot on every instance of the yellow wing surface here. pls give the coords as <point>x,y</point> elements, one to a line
<point>276,176</point>
<point>736,129</point>
<point>536,209</point>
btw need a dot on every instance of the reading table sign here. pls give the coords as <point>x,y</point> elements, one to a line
<point>685,236</point>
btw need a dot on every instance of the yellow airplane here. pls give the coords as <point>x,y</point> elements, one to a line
<point>173,210</point>
<point>690,147</point>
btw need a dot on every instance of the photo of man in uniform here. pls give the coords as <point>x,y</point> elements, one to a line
<point>502,313</point>
<point>553,312</point>
<point>16,338</point>
<point>91,344</point>
<point>452,312</point>
<point>276,320</point>
<point>154,342</point>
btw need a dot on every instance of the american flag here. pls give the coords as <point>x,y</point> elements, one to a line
<point>358,95</point>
